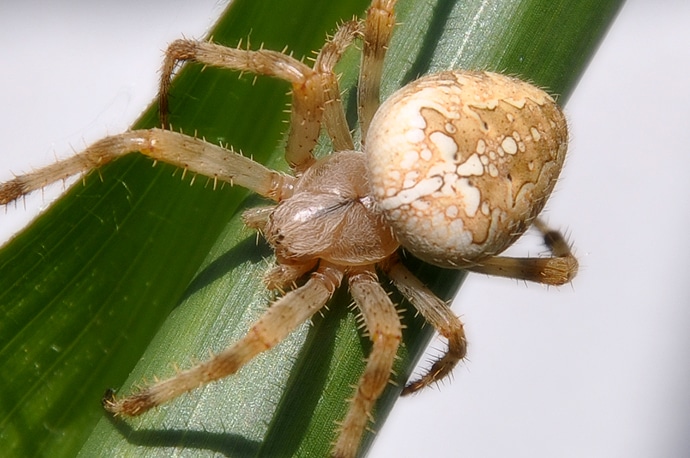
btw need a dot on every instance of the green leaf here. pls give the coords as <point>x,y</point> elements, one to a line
<point>136,270</point>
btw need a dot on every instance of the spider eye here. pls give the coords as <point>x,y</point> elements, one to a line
<point>460,163</point>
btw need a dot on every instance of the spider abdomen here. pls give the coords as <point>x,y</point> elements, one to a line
<point>460,163</point>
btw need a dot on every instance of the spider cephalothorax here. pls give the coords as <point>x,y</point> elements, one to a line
<point>454,167</point>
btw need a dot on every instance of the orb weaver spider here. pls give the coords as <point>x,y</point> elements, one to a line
<point>454,167</point>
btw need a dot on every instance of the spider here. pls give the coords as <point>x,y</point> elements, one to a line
<point>453,168</point>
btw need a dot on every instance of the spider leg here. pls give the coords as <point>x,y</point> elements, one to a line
<point>274,325</point>
<point>328,57</point>
<point>307,88</point>
<point>173,148</point>
<point>384,329</point>
<point>378,29</point>
<point>285,273</point>
<point>558,269</point>
<point>438,314</point>
<point>257,217</point>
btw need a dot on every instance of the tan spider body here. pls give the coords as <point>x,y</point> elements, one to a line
<point>455,167</point>
<point>333,207</point>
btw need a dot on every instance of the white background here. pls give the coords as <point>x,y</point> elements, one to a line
<point>597,369</point>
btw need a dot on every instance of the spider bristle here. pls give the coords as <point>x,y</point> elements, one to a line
<point>370,416</point>
<point>100,176</point>
<point>359,318</point>
<point>326,308</point>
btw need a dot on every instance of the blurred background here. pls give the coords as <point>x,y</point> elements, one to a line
<point>599,368</point>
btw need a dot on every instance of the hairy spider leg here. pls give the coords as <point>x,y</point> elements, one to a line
<point>189,153</point>
<point>315,91</point>
<point>334,113</point>
<point>438,314</point>
<point>557,269</point>
<point>383,327</point>
<point>378,30</point>
<point>307,88</point>
<point>271,328</point>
